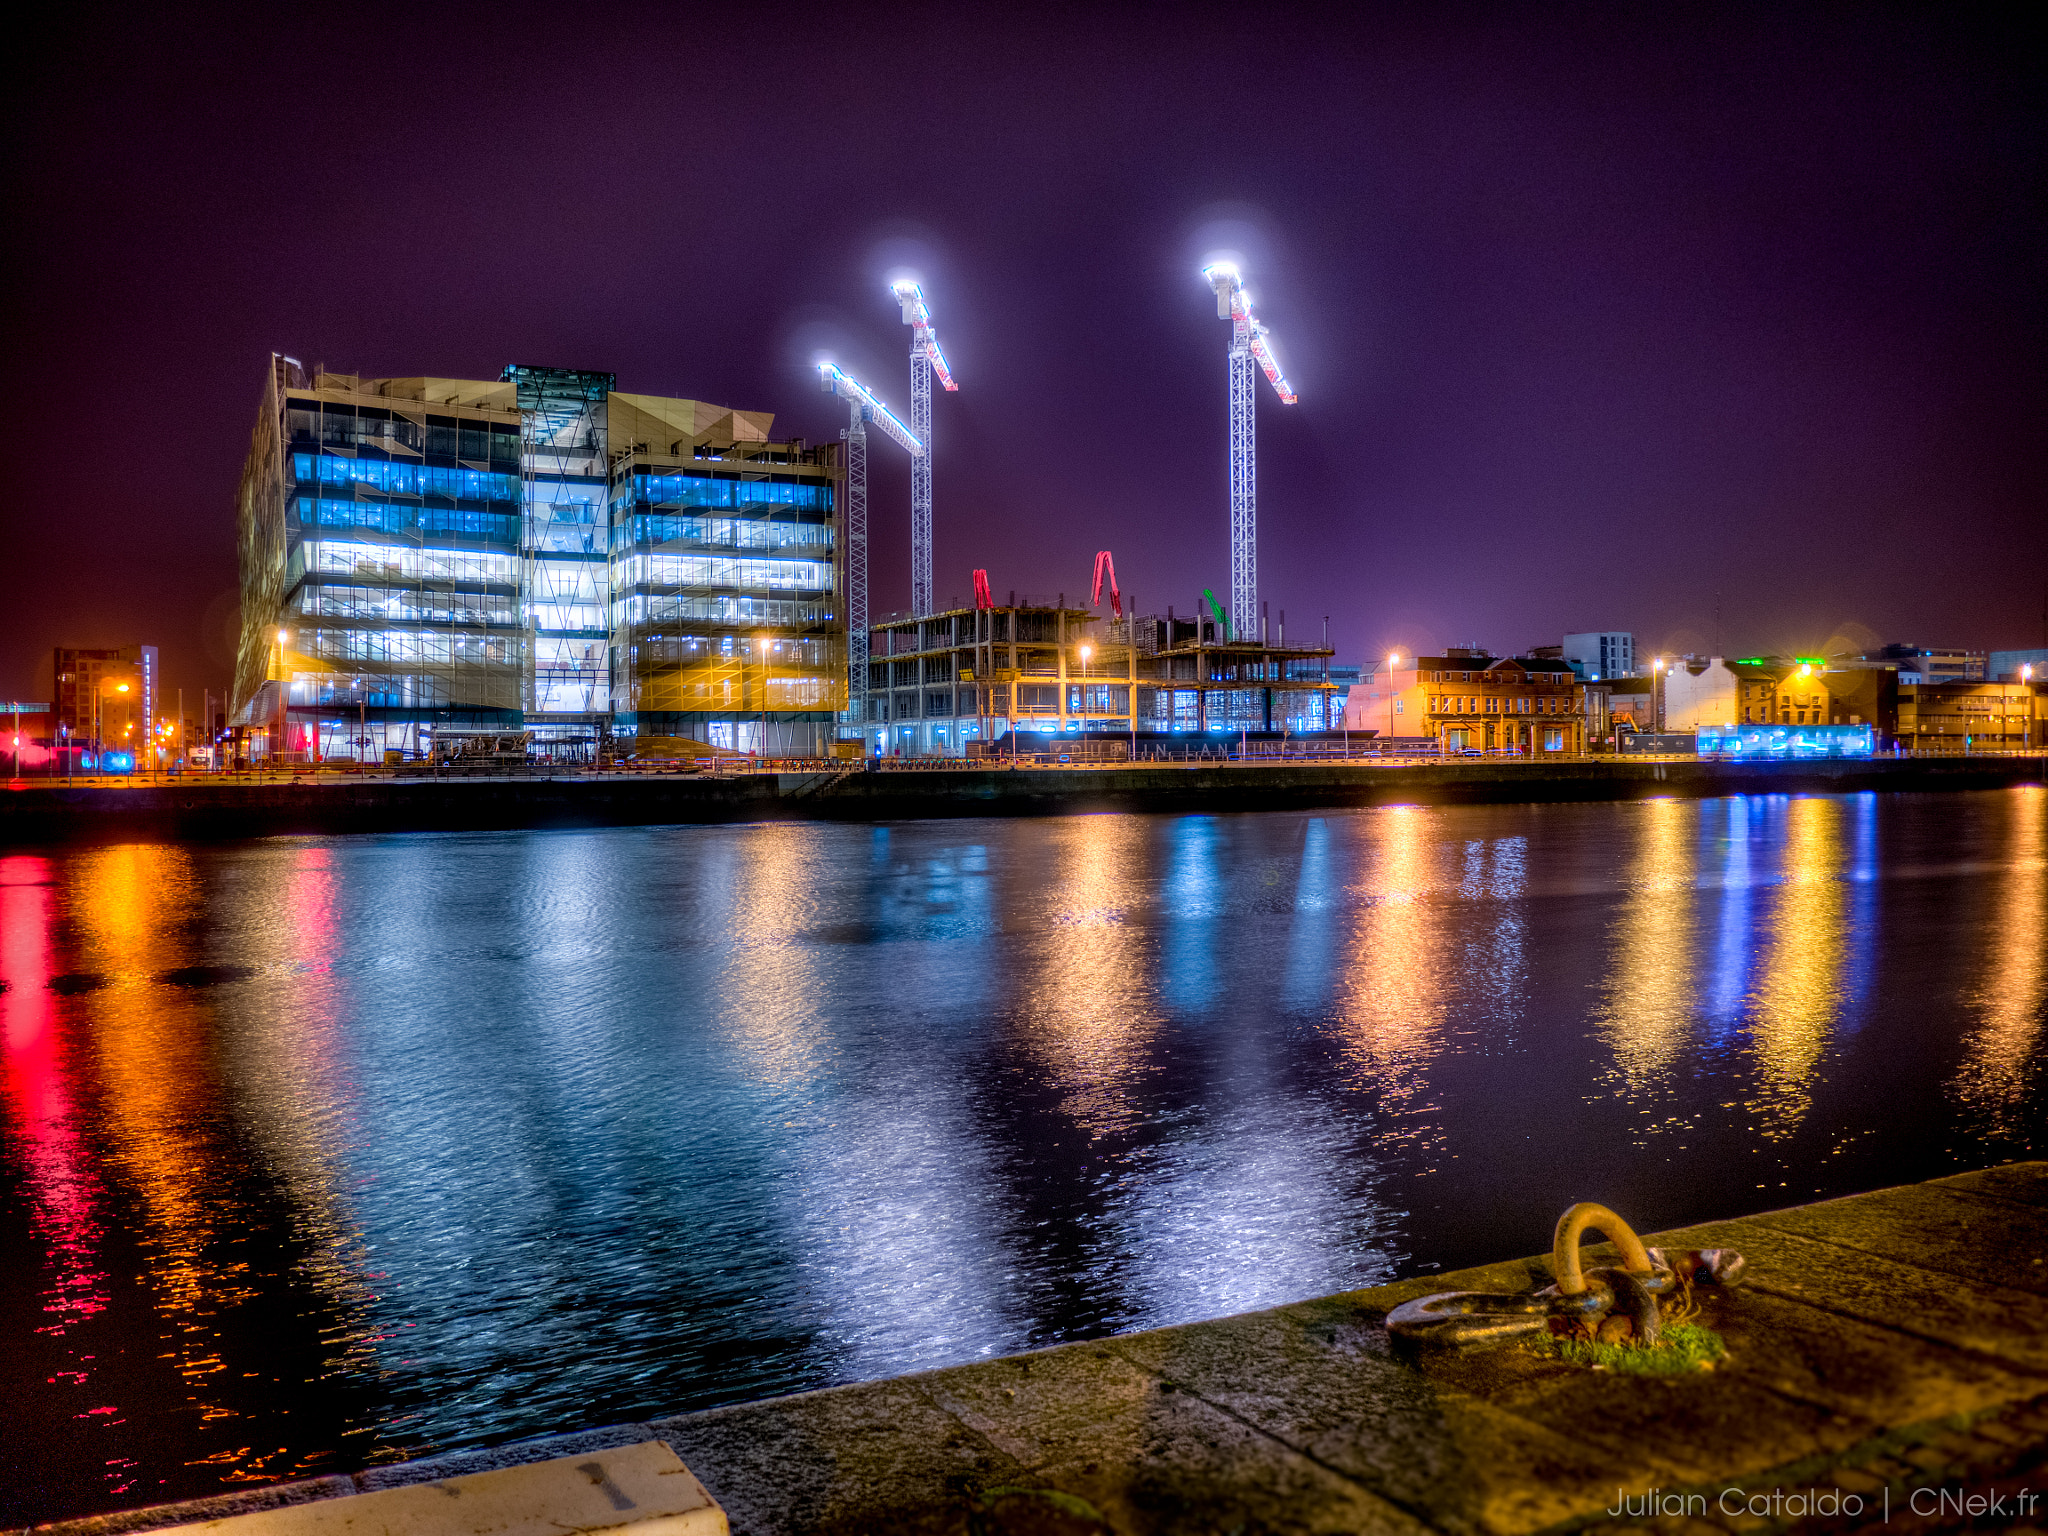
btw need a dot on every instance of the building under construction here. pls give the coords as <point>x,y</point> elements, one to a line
<point>938,685</point>
<point>539,554</point>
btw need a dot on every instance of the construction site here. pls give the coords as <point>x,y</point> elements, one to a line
<point>957,682</point>
<point>972,679</point>
<point>542,567</point>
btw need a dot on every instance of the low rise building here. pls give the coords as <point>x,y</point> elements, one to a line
<point>1467,700</point>
<point>1972,717</point>
<point>30,736</point>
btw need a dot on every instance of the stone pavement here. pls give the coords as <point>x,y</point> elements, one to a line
<point>1888,1369</point>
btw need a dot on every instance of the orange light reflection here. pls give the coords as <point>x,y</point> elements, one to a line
<point>1798,996</point>
<point>1646,1009</point>
<point>2011,1002</point>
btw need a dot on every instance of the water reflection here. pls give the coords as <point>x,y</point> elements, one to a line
<point>1798,994</point>
<point>2003,1056</point>
<point>1392,996</point>
<point>424,1142</point>
<point>160,1094</point>
<point>43,1124</point>
<point>1647,1005</point>
<point>1089,1014</point>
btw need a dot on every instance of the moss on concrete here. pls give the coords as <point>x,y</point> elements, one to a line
<point>1679,1351</point>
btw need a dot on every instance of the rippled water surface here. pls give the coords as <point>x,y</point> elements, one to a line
<point>321,1152</point>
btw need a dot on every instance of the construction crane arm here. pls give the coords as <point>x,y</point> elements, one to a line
<point>918,316</point>
<point>835,381</point>
<point>1271,364</point>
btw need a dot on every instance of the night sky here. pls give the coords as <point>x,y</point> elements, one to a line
<point>1601,317</point>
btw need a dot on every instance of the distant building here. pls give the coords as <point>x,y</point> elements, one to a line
<point>2004,666</point>
<point>1966,717</point>
<point>1774,691</point>
<point>1918,663</point>
<point>107,696</point>
<point>538,554</point>
<point>1601,655</point>
<point>1468,700</point>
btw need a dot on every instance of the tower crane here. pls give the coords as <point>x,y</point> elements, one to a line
<point>1248,341</point>
<point>925,360</point>
<point>863,406</point>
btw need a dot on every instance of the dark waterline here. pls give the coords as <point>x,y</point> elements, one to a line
<point>324,1152</point>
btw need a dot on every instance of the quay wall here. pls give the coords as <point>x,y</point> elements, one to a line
<point>34,812</point>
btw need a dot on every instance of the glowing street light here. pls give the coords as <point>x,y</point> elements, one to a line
<point>1393,661</point>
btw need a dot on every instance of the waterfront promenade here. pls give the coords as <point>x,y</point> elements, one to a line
<point>200,807</point>
<point>1888,1352</point>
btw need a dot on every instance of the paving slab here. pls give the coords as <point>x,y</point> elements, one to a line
<point>1321,1378</point>
<point>1936,1226</point>
<point>1996,1320</point>
<point>2024,1182</point>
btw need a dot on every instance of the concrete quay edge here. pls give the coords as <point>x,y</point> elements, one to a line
<point>39,813</point>
<point>1883,1342</point>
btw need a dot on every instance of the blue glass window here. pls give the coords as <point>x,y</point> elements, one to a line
<point>393,478</point>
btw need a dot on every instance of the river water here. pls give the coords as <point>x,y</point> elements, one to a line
<point>330,1151</point>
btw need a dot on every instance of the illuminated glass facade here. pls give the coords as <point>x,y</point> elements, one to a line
<point>538,553</point>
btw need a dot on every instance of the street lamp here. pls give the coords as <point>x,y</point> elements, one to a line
<point>277,745</point>
<point>1393,661</point>
<point>1657,696</point>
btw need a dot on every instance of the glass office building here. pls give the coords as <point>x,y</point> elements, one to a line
<point>537,555</point>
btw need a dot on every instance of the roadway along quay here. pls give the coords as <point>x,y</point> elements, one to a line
<point>1885,1366</point>
<point>201,808</point>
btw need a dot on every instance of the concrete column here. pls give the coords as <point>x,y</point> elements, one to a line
<point>1060,632</point>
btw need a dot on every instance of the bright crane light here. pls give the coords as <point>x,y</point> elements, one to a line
<point>925,360</point>
<point>923,338</point>
<point>1248,342</point>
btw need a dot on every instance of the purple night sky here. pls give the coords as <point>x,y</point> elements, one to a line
<point>1601,315</point>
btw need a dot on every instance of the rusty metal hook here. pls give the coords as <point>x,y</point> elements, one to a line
<point>1564,1248</point>
<point>1629,1290</point>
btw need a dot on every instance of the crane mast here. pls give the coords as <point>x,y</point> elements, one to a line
<point>1248,345</point>
<point>863,406</point>
<point>925,360</point>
